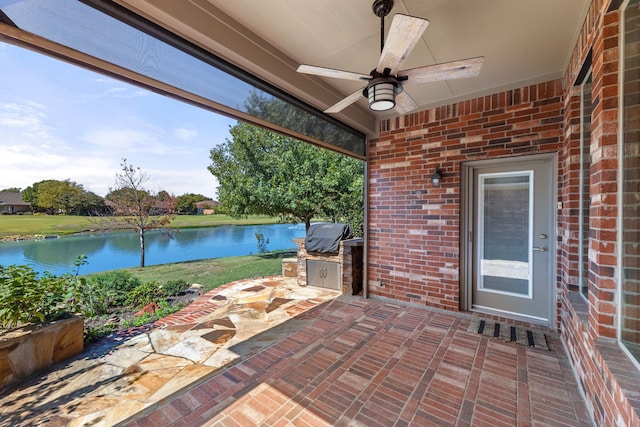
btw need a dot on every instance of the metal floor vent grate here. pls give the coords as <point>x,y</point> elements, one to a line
<point>509,333</point>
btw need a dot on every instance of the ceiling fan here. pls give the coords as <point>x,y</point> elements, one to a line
<point>384,89</point>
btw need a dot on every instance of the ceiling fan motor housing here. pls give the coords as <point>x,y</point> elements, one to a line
<point>382,8</point>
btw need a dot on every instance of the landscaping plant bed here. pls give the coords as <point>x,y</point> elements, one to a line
<point>120,319</point>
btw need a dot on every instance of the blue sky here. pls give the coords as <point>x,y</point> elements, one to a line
<point>59,121</point>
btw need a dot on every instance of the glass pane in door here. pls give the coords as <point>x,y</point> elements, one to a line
<point>504,228</point>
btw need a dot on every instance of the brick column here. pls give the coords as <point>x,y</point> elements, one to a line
<point>604,185</point>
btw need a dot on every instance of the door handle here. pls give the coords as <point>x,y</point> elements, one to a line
<point>540,248</point>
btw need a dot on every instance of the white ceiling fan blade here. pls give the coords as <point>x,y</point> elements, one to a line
<point>448,71</point>
<point>403,35</point>
<point>330,72</point>
<point>339,106</point>
<point>404,103</point>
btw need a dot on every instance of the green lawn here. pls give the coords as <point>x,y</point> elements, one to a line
<point>212,273</point>
<point>29,225</point>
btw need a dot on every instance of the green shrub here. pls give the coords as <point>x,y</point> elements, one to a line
<point>95,297</point>
<point>175,287</point>
<point>164,310</point>
<point>118,284</point>
<point>96,334</point>
<point>167,309</point>
<point>26,297</point>
<point>140,320</point>
<point>144,294</point>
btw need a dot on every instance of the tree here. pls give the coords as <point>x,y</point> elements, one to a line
<point>30,194</point>
<point>163,195</point>
<point>52,195</point>
<point>88,203</point>
<point>262,172</point>
<point>186,204</point>
<point>137,207</point>
<point>292,117</point>
<point>59,196</point>
<point>66,196</point>
<point>12,190</point>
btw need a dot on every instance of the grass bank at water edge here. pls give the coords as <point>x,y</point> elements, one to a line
<point>32,225</point>
<point>212,273</point>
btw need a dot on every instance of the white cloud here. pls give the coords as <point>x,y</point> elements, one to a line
<point>28,117</point>
<point>119,142</point>
<point>125,93</point>
<point>23,165</point>
<point>184,134</point>
<point>178,182</point>
<point>120,92</point>
<point>22,156</point>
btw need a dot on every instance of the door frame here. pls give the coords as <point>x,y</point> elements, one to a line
<point>467,200</point>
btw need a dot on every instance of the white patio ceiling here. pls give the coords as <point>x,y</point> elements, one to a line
<point>523,42</point>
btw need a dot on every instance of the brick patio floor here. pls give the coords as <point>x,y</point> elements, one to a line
<point>375,363</point>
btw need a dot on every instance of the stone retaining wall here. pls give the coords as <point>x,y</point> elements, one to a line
<point>25,351</point>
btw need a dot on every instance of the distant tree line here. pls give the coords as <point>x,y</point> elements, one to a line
<point>67,197</point>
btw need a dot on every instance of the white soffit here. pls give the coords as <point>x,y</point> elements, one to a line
<point>523,42</point>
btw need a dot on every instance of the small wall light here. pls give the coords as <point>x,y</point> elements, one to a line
<point>436,178</point>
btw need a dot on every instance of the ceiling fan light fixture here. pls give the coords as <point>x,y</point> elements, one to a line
<point>386,81</point>
<point>381,94</point>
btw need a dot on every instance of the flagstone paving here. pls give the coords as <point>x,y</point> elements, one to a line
<point>122,376</point>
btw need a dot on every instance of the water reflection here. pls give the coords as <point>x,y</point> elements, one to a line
<point>107,251</point>
<point>64,254</point>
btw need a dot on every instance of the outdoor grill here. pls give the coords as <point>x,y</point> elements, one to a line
<point>328,257</point>
<point>326,237</point>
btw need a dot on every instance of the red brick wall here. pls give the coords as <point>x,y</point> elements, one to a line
<point>414,240</point>
<point>595,363</point>
<point>604,174</point>
<point>607,377</point>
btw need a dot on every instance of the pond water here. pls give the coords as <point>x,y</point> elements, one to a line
<point>109,251</point>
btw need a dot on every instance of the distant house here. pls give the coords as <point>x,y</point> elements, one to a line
<point>13,203</point>
<point>207,207</point>
<point>163,207</point>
